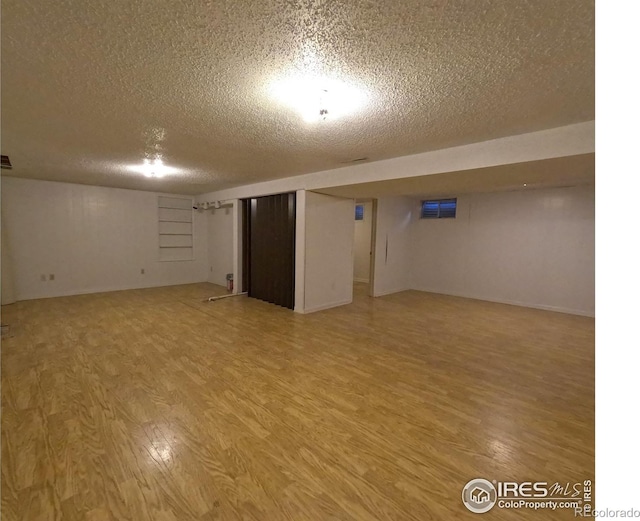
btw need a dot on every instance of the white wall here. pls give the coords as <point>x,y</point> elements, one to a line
<point>220,241</point>
<point>91,238</point>
<point>395,215</point>
<point>301,244</point>
<point>329,225</point>
<point>7,288</point>
<point>532,248</point>
<point>362,246</point>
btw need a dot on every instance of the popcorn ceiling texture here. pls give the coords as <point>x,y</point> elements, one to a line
<point>89,87</point>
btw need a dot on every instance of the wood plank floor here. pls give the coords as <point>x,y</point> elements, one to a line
<point>153,405</point>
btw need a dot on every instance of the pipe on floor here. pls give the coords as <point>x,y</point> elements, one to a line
<point>212,299</point>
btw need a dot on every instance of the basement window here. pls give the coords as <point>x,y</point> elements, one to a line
<point>175,228</point>
<point>438,209</point>
<point>359,212</point>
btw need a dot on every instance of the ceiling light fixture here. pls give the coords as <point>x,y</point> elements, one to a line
<point>153,169</point>
<point>318,98</point>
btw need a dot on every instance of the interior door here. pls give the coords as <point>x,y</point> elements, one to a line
<point>271,248</point>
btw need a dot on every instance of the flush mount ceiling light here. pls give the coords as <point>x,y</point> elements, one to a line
<point>153,169</point>
<point>318,98</point>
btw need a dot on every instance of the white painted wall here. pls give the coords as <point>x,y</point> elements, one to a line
<point>301,244</point>
<point>395,215</point>
<point>329,229</point>
<point>91,238</point>
<point>362,246</point>
<point>237,247</point>
<point>220,242</point>
<point>532,248</point>
<point>7,289</point>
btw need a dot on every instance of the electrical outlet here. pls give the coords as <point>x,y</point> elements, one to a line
<point>142,271</point>
<point>43,278</point>
<point>52,276</point>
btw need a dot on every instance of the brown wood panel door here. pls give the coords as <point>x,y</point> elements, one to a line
<point>270,248</point>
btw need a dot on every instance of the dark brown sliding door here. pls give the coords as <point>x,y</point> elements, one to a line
<point>269,239</point>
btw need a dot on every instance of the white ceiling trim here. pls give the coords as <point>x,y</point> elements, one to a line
<point>564,141</point>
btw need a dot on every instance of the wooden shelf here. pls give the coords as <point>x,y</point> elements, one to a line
<point>175,221</point>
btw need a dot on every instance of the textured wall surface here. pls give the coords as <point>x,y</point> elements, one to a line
<point>532,248</point>
<point>393,247</point>
<point>90,238</point>
<point>329,231</point>
<point>90,87</point>
<point>220,244</point>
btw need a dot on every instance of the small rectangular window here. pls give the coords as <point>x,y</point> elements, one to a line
<point>359,212</point>
<point>438,209</point>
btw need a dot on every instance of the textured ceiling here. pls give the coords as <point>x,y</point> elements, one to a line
<point>90,87</point>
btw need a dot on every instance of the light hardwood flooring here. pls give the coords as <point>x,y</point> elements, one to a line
<point>153,405</point>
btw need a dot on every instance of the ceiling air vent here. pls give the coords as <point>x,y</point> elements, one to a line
<point>6,163</point>
<point>358,160</point>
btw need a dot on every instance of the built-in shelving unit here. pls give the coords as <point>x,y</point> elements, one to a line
<point>175,228</point>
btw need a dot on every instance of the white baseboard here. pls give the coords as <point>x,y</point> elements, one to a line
<point>327,306</point>
<point>390,291</point>
<point>545,307</point>
<point>109,289</point>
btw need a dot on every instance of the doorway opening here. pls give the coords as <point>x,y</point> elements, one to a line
<point>364,246</point>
